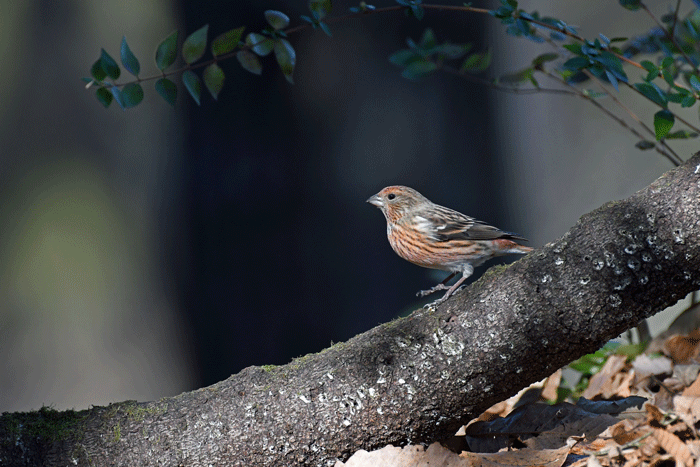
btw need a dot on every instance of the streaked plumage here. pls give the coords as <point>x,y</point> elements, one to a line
<point>437,237</point>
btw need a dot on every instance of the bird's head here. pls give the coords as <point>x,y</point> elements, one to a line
<point>396,201</point>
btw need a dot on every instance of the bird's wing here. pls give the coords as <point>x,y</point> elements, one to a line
<point>444,224</point>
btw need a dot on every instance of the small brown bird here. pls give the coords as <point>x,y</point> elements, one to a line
<point>437,237</point>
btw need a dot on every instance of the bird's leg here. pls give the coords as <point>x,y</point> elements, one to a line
<point>468,271</point>
<point>441,286</point>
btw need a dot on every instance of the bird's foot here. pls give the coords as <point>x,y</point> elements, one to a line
<point>433,305</point>
<point>424,293</point>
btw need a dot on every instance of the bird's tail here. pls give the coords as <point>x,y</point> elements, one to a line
<point>509,247</point>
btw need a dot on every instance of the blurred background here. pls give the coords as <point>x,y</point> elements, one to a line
<point>153,251</point>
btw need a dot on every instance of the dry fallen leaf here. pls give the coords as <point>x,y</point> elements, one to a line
<point>408,456</point>
<point>683,349</point>
<point>522,457</point>
<point>673,445</point>
<point>551,385</point>
<point>601,382</point>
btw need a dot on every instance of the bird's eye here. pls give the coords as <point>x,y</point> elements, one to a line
<point>391,196</point>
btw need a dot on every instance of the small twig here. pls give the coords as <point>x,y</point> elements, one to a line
<point>499,87</point>
<point>675,18</point>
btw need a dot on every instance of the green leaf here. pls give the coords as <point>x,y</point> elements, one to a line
<point>681,134</point>
<point>453,51</point>
<point>167,52</point>
<point>688,101</point>
<point>193,85</point>
<point>131,95</point>
<point>97,72</point>
<point>415,10</point>
<point>109,65</point>
<point>320,7</point>
<point>576,63</point>
<point>694,82</point>
<point>418,69</point>
<point>676,98</point>
<point>259,44</point>
<point>612,79</point>
<point>428,41</point>
<point>324,27</point>
<point>104,96</point>
<point>129,60</point>
<point>666,62</point>
<point>652,69</point>
<point>663,122</point>
<point>506,10</point>
<point>667,75</point>
<point>249,61</point>
<point>167,90</point>
<point>539,60</point>
<point>226,42</point>
<point>644,145</point>
<point>593,94</point>
<point>575,48</point>
<point>476,63</point>
<point>194,46</point>
<point>403,57</point>
<point>652,92</point>
<point>117,96</point>
<point>286,58</point>
<point>632,5</point>
<point>276,19</point>
<point>612,63</point>
<point>213,79</point>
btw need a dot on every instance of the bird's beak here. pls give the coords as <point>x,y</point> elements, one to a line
<point>376,201</point>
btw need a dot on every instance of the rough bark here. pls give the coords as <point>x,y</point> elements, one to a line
<point>411,380</point>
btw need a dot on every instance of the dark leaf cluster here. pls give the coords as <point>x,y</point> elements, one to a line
<point>413,8</point>
<point>106,71</point>
<point>522,24</point>
<point>598,57</point>
<point>670,78</point>
<point>424,57</point>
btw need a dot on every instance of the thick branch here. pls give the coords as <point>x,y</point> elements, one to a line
<point>414,379</point>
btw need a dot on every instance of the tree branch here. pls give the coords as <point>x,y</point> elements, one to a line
<point>415,379</point>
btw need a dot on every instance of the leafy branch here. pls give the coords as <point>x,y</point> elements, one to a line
<point>673,80</point>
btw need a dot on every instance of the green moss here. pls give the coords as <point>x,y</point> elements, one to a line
<point>117,432</point>
<point>45,423</point>
<point>138,412</point>
<point>495,269</point>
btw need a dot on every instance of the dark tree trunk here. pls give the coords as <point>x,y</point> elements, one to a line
<point>414,379</point>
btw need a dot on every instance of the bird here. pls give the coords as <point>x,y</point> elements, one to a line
<point>436,237</point>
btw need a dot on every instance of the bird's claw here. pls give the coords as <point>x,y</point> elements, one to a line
<point>424,293</point>
<point>433,305</point>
